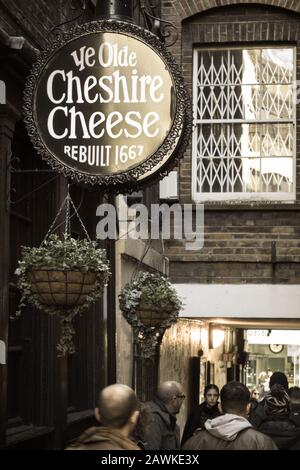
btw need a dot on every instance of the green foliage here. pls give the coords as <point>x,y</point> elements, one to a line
<point>66,253</point>
<point>151,289</point>
<point>149,292</point>
<point>63,254</point>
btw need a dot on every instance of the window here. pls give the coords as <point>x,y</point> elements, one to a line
<point>245,113</point>
<point>2,92</point>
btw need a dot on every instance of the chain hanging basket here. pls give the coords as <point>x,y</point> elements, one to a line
<point>63,276</point>
<point>64,287</point>
<point>151,316</point>
<point>151,305</point>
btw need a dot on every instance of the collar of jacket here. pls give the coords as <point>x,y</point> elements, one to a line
<point>162,406</point>
<point>210,410</point>
<point>102,434</point>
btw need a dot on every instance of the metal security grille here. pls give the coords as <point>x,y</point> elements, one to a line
<point>245,112</point>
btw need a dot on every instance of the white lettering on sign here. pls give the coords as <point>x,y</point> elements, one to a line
<point>101,156</point>
<point>251,333</point>
<point>80,125</point>
<point>108,55</point>
<point>115,88</point>
<point>109,103</point>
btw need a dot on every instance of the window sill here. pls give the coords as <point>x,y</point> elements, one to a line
<point>25,432</point>
<point>77,416</point>
<point>251,206</point>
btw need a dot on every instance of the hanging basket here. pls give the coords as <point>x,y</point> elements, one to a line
<point>150,304</point>
<point>153,316</point>
<point>63,276</point>
<point>67,287</point>
<point>150,301</point>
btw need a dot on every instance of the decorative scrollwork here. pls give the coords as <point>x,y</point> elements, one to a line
<point>165,30</point>
<point>159,163</point>
<point>81,5</point>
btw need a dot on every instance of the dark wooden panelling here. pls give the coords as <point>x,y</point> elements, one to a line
<point>6,130</point>
<point>45,390</point>
<point>194,382</point>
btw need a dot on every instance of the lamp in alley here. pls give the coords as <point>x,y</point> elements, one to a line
<point>216,337</point>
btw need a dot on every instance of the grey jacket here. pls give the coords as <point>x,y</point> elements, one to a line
<point>162,432</point>
<point>229,432</point>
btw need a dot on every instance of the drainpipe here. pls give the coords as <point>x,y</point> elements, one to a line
<point>114,10</point>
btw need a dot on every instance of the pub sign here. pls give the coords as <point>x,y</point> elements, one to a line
<point>106,104</point>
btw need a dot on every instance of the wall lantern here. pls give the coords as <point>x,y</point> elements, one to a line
<point>216,336</point>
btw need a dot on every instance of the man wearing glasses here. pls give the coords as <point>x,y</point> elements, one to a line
<point>162,432</point>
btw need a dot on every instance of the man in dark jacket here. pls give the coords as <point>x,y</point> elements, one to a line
<point>162,432</point>
<point>118,414</point>
<point>231,431</point>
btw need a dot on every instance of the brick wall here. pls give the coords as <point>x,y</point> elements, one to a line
<point>238,237</point>
<point>176,11</point>
<point>235,25</point>
<point>238,249</point>
<point>32,19</point>
<point>232,24</point>
<point>35,18</point>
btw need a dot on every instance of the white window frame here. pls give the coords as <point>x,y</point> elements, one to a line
<point>284,197</point>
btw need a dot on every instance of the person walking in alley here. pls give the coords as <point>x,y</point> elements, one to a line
<point>207,410</point>
<point>118,413</point>
<point>231,431</point>
<point>259,413</point>
<point>254,397</point>
<point>278,422</point>
<point>162,432</point>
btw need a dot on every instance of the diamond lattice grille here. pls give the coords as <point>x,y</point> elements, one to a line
<point>245,120</point>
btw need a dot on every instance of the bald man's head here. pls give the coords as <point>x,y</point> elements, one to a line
<point>117,403</point>
<point>168,390</point>
<point>172,395</point>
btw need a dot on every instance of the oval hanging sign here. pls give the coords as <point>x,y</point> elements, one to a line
<point>105,103</point>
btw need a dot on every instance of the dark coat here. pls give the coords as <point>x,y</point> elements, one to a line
<point>197,418</point>
<point>253,405</point>
<point>295,414</point>
<point>283,430</point>
<point>162,432</point>
<point>102,438</point>
<point>257,414</point>
<point>229,432</point>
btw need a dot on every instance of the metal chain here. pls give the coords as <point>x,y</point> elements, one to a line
<point>79,218</point>
<point>66,202</point>
<point>54,221</point>
<point>67,221</point>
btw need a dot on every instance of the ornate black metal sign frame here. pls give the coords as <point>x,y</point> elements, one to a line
<point>156,165</point>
